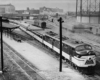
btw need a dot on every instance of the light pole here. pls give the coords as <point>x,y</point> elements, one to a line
<point>1,45</point>
<point>60,31</point>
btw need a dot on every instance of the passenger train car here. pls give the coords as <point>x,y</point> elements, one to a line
<point>80,54</point>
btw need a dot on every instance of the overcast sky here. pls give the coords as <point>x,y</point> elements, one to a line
<point>23,4</point>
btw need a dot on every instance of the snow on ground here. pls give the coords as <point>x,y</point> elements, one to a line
<point>91,37</point>
<point>47,65</point>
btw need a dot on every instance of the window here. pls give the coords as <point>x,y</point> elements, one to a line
<point>57,44</point>
<point>83,47</point>
<point>65,48</point>
<point>49,39</point>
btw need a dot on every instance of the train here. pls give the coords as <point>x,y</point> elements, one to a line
<point>80,55</point>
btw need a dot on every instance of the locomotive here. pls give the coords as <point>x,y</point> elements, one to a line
<point>80,54</point>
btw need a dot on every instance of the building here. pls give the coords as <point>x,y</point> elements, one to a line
<point>20,11</point>
<point>28,11</point>
<point>7,8</point>
<point>34,12</point>
<point>51,11</point>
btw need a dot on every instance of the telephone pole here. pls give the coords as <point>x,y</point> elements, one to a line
<point>2,65</point>
<point>60,31</point>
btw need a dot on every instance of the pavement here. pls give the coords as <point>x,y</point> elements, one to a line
<point>47,65</point>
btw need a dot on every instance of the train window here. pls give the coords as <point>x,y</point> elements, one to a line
<point>57,44</point>
<point>83,47</point>
<point>43,37</point>
<point>49,39</point>
<point>85,53</point>
<point>65,48</point>
<point>40,36</point>
<point>46,38</point>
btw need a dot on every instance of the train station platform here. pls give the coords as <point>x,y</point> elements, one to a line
<point>9,26</point>
<point>48,66</point>
<point>26,24</point>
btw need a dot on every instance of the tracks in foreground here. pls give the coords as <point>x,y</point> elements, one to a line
<point>30,71</point>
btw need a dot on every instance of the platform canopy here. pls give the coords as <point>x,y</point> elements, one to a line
<point>15,15</point>
<point>8,26</point>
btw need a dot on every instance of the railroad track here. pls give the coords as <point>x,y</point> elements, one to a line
<point>23,65</point>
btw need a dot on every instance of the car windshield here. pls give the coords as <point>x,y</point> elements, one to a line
<point>83,47</point>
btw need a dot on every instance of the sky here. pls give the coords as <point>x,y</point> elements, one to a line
<point>66,5</point>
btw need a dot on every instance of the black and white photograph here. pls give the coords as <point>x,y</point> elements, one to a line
<point>49,39</point>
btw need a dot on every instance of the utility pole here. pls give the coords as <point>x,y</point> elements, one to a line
<point>90,11</point>
<point>99,13</point>
<point>80,10</point>
<point>60,31</point>
<point>1,45</point>
<point>76,7</point>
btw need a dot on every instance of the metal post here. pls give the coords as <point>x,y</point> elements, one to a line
<point>99,13</point>
<point>76,7</point>
<point>80,10</point>
<point>60,30</point>
<point>89,10</point>
<point>95,6</point>
<point>1,45</point>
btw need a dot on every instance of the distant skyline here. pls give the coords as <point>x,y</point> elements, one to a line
<point>66,5</point>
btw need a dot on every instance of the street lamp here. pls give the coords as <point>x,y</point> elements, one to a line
<point>60,31</point>
<point>1,45</point>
